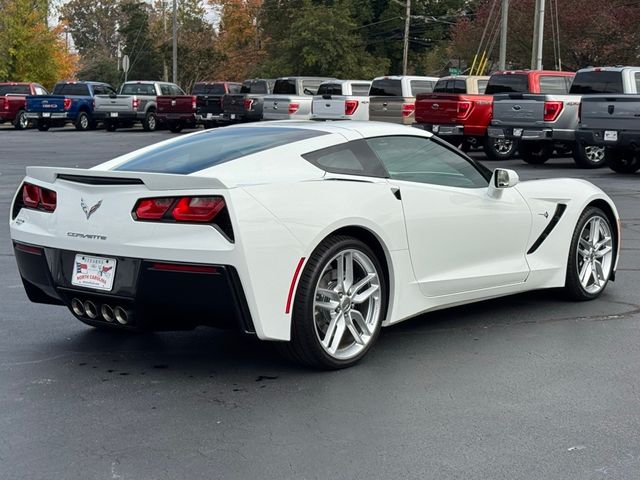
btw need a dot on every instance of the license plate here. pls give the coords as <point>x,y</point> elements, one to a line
<point>209,116</point>
<point>113,114</point>
<point>435,128</point>
<point>517,132</point>
<point>233,116</point>
<point>93,272</point>
<point>46,114</point>
<point>610,136</point>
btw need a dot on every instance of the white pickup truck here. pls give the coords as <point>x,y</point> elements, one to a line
<point>342,100</point>
<point>292,98</point>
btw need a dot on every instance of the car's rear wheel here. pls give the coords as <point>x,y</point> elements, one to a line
<point>339,305</point>
<point>589,156</point>
<point>623,162</point>
<point>43,126</point>
<point>21,122</point>
<point>83,123</point>
<point>176,127</point>
<point>150,122</point>
<point>110,126</point>
<point>500,148</point>
<point>591,255</point>
<point>536,153</point>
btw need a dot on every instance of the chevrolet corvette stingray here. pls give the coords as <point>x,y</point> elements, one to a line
<point>314,235</point>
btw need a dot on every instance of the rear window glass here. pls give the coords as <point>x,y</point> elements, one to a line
<point>138,89</point>
<point>285,86</point>
<point>421,86</point>
<point>192,154</point>
<point>259,86</point>
<point>81,89</point>
<point>209,89</point>
<point>361,89</point>
<point>16,89</point>
<point>386,88</point>
<point>597,82</point>
<point>330,89</point>
<point>553,84</point>
<point>507,84</point>
<point>441,86</point>
<point>482,86</point>
<point>450,86</point>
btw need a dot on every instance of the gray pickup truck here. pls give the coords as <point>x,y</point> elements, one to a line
<point>292,98</point>
<point>613,122</point>
<point>548,121</point>
<point>136,102</point>
<point>393,98</point>
<point>247,106</point>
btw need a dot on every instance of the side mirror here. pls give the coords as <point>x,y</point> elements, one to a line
<point>502,178</point>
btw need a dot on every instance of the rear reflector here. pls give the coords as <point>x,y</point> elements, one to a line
<point>294,280</point>
<point>28,249</point>
<point>293,108</point>
<point>180,267</point>
<point>350,107</point>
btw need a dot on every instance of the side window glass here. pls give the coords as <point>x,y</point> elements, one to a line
<point>360,89</point>
<point>353,158</point>
<point>549,84</point>
<point>40,91</point>
<point>637,82</point>
<point>165,90</point>
<point>422,160</point>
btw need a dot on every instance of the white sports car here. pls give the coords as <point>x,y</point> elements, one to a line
<point>315,235</point>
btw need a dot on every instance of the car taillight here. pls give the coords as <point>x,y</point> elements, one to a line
<point>408,109</point>
<point>67,103</point>
<point>135,103</point>
<point>189,209</point>
<point>38,198</point>
<point>464,108</point>
<point>293,108</point>
<point>552,110</point>
<point>194,102</point>
<point>5,103</point>
<point>247,103</point>
<point>350,106</point>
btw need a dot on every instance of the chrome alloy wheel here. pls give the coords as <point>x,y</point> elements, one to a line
<point>594,154</point>
<point>347,304</point>
<point>595,254</point>
<point>23,121</point>
<point>503,145</point>
<point>84,122</point>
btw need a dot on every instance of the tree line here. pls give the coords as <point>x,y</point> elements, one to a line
<point>238,39</point>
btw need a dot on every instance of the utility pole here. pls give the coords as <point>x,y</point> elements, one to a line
<point>538,36</point>
<point>175,43</point>
<point>503,35</point>
<point>165,67</point>
<point>405,51</point>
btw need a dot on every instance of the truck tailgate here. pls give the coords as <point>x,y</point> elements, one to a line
<point>437,108</point>
<point>45,103</point>
<point>611,112</point>
<point>174,104</point>
<point>332,107</point>
<point>234,103</point>
<point>277,107</point>
<point>209,104</point>
<point>519,109</point>
<point>120,103</point>
<point>389,109</point>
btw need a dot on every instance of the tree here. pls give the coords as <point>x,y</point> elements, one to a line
<point>144,56</point>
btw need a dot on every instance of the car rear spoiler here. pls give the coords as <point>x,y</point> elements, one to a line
<point>153,181</point>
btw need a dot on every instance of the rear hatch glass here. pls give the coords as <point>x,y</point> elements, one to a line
<point>597,83</point>
<point>507,84</point>
<point>386,87</point>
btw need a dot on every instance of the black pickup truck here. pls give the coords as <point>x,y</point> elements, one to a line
<point>246,106</point>
<point>209,102</point>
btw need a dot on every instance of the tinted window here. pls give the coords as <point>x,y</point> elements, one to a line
<point>597,82</point>
<point>208,89</point>
<point>103,90</point>
<point>16,89</point>
<point>234,88</point>
<point>422,160</point>
<point>441,86</point>
<point>138,89</point>
<point>164,89</point>
<point>80,89</point>
<point>482,86</point>
<point>386,87</point>
<point>553,84</point>
<point>330,89</point>
<point>254,87</point>
<point>421,86</point>
<point>40,90</point>
<point>353,158</point>
<point>192,154</point>
<point>361,89</point>
<point>175,90</point>
<point>637,82</point>
<point>507,84</point>
<point>285,86</point>
<point>459,86</point>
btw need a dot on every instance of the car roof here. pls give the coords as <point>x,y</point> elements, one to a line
<point>538,72</point>
<point>409,77</point>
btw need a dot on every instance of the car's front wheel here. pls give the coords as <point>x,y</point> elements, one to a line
<point>339,305</point>
<point>591,255</point>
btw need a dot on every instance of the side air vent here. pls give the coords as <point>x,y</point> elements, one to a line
<point>560,208</point>
<point>100,180</point>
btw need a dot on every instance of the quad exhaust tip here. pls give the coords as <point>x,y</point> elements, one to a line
<point>121,315</point>
<point>107,313</point>
<point>77,307</point>
<point>90,309</point>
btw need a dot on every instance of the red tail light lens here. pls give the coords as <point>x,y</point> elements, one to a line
<point>552,110</point>
<point>67,103</point>
<point>408,109</point>
<point>38,198</point>
<point>153,208</point>
<point>5,103</point>
<point>194,102</point>
<point>198,209</point>
<point>350,106</point>
<point>464,108</point>
<point>247,104</point>
<point>135,103</point>
<point>293,108</point>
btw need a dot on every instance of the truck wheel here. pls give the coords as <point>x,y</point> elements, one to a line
<point>82,122</point>
<point>43,127</point>
<point>110,126</point>
<point>623,162</point>
<point>589,156</point>
<point>21,122</point>
<point>150,123</point>
<point>500,148</point>
<point>176,127</point>
<point>535,153</point>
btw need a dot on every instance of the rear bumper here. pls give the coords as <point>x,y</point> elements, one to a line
<point>625,139</point>
<point>177,117</point>
<point>210,117</point>
<point>117,116</point>
<point>532,133</point>
<point>47,115</point>
<point>442,130</point>
<point>159,295</point>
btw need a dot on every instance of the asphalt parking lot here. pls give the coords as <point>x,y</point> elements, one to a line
<point>524,387</point>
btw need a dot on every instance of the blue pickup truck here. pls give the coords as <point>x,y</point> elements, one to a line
<point>71,102</point>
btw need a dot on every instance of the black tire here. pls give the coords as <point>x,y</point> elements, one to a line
<point>21,121</point>
<point>536,153</point>
<point>83,122</point>
<point>110,126</point>
<point>150,122</point>
<point>176,127</point>
<point>304,347</point>
<point>621,161</point>
<point>499,148</point>
<point>573,288</point>
<point>43,126</point>
<point>589,156</point>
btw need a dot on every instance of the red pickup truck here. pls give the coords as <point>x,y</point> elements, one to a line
<point>13,102</point>
<point>462,117</point>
